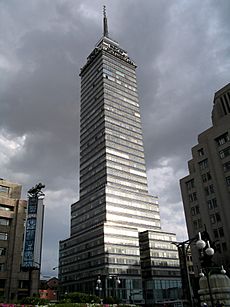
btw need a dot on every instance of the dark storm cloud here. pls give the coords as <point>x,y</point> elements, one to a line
<point>182,52</point>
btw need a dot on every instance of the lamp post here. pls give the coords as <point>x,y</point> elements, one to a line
<point>99,285</point>
<point>206,252</point>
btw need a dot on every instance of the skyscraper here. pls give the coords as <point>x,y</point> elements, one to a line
<point>206,190</point>
<point>114,205</point>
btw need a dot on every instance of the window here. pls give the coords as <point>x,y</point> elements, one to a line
<point>206,177</point>
<point>218,249</point>
<point>224,246</point>
<point>2,267</point>
<point>228,180</point>
<point>195,224</point>
<point>209,190</point>
<point>190,184</point>
<point>212,219</point>
<point>2,283</point>
<point>218,219</point>
<point>226,166</point>
<point>3,236</point>
<point>203,164</point>
<point>212,203</point>
<point>221,232</point>
<point>195,210</point>
<point>192,197</point>
<point>4,221</point>
<point>6,208</point>
<point>216,234</point>
<point>2,251</point>
<point>4,189</point>
<point>225,152</point>
<point>222,139</point>
<point>201,152</point>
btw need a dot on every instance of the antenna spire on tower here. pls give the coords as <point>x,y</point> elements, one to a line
<point>105,24</point>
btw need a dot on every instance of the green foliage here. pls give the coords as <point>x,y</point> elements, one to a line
<point>77,297</point>
<point>34,301</point>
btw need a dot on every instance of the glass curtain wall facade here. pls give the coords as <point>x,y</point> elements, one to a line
<point>114,204</point>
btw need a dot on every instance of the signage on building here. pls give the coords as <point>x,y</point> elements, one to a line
<point>33,232</point>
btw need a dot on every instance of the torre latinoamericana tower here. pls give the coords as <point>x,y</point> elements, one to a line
<point>116,243</point>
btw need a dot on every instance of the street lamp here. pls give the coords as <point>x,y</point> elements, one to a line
<point>206,253</point>
<point>99,285</point>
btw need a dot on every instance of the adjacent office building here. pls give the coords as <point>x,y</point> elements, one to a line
<point>206,190</point>
<point>115,235</point>
<point>14,283</point>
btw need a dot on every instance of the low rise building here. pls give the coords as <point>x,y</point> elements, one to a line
<point>14,283</point>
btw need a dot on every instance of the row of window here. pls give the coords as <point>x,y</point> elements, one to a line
<point>130,196</point>
<point>224,99</point>
<point>122,154</point>
<point>81,210</point>
<point>90,74</point>
<point>119,87</point>
<point>116,68</point>
<point>115,100</point>
<point>122,131</point>
<point>191,183</point>
<point>121,96</point>
<point>92,185</point>
<point>131,211</point>
<point>222,139</point>
<point>133,119</point>
<point>134,168</point>
<point>124,93</point>
<point>79,247</point>
<point>160,254</point>
<point>129,111</point>
<point>90,106</point>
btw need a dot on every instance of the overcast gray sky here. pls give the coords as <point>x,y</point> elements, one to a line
<point>181,48</point>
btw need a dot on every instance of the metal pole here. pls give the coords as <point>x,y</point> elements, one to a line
<point>209,287</point>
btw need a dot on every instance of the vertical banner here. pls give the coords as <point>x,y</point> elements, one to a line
<point>33,233</point>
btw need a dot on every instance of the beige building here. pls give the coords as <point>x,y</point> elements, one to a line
<point>14,284</point>
<point>206,190</point>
